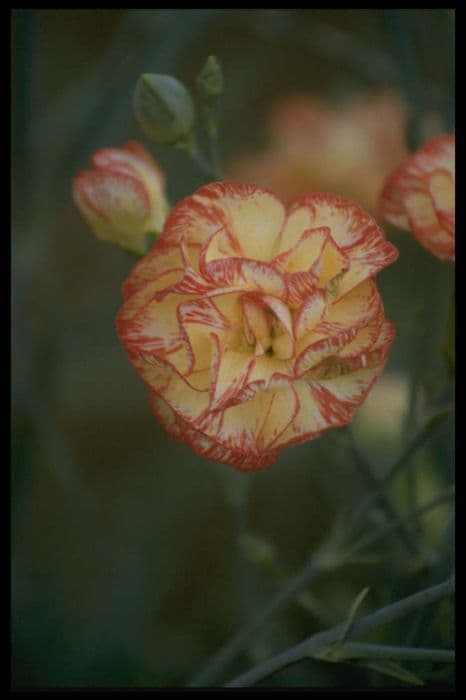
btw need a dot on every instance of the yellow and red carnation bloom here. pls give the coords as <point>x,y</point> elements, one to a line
<point>122,197</point>
<point>313,145</point>
<point>420,196</point>
<point>257,326</point>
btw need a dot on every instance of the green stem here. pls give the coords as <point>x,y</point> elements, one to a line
<point>315,565</point>
<point>204,166</point>
<point>380,495</point>
<point>361,650</point>
<point>191,147</point>
<point>212,133</point>
<point>229,651</point>
<point>418,439</point>
<point>382,532</point>
<point>318,644</point>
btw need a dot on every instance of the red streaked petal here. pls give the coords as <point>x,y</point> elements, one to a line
<point>159,261</point>
<point>442,190</point>
<point>220,244</point>
<point>419,196</point>
<point>203,445</point>
<point>161,378</point>
<point>230,372</point>
<point>153,329</point>
<point>253,426</point>
<point>281,311</point>
<point>253,215</point>
<point>365,338</point>
<point>354,309</point>
<point>344,218</point>
<point>302,255</point>
<point>257,323</point>
<point>299,286</point>
<point>338,327</point>
<point>357,246</point>
<point>197,317</point>
<point>331,263</point>
<point>310,313</point>
<point>370,255</point>
<point>247,275</point>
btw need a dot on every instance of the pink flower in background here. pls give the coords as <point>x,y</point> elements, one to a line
<point>254,326</point>
<point>122,197</point>
<point>314,145</point>
<point>420,197</point>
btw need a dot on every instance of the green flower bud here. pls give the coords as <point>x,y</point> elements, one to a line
<point>164,108</point>
<point>210,79</point>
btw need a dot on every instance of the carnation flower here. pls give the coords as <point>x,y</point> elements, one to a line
<point>420,197</point>
<point>254,326</point>
<point>348,148</point>
<point>122,196</point>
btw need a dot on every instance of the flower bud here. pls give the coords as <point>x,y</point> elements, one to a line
<point>164,108</point>
<point>210,79</point>
<point>122,197</point>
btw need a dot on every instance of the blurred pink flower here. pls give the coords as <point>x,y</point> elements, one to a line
<point>347,148</point>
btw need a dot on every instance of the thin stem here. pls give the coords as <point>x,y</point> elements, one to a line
<point>191,146</point>
<point>422,434</point>
<point>361,650</point>
<point>212,133</point>
<point>204,166</point>
<point>318,562</point>
<point>381,495</point>
<point>382,532</point>
<point>318,644</point>
<point>229,651</point>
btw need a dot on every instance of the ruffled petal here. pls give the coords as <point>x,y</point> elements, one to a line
<point>161,378</point>
<point>230,372</point>
<point>205,446</point>
<point>153,329</point>
<point>253,215</point>
<point>339,326</point>
<point>160,262</point>
<point>255,425</point>
<point>420,197</point>
<point>198,318</point>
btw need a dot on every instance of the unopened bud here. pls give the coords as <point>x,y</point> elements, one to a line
<point>164,108</point>
<point>122,196</point>
<point>210,79</point>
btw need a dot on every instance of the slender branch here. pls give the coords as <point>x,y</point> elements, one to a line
<point>320,561</point>
<point>418,439</point>
<point>381,495</point>
<point>383,531</point>
<point>204,166</point>
<point>360,650</point>
<point>229,651</point>
<point>317,645</point>
<point>212,133</point>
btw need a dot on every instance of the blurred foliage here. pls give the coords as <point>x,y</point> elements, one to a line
<point>126,563</point>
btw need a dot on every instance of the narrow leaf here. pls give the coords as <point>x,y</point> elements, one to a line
<point>389,668</point>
